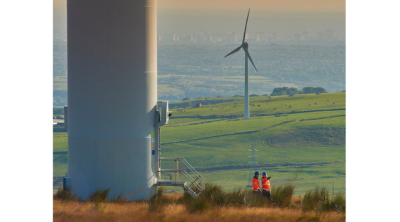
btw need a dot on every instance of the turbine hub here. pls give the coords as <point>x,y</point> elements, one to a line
<point>246,45</point>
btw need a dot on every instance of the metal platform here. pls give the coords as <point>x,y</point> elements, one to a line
<point>196,183</point>
<point>171,183</point>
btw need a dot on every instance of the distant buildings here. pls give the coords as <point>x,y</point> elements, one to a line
<point>304,35</point>
<point>320,36</point>
<point>233,38</point>
<point>260,36</point>
<point>273,37</point>
<point>267,36</point>
<point>329,34</point>
<point>187,39</point>
<point>297,37</point>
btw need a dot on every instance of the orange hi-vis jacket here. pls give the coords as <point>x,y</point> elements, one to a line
<point>265,184</point>
<point>256,184</point>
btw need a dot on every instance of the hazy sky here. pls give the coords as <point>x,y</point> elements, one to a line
<point>290,16</point>
<point>282,5</point>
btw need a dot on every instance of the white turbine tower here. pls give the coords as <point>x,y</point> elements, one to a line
<point>245,47</point>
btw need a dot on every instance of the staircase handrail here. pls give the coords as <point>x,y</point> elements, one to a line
<point>194,182</point>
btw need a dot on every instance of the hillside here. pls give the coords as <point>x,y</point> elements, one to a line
<point>304,147</point>
<point>260,105</point>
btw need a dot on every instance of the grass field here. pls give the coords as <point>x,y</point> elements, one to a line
<point>252,79</point>
<point>217,141</point>
<point>265,106</point>
<point>308,176</point>
<point>139,211</point>
<point>60,83</point>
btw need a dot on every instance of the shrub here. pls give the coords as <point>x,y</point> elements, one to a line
<point>157,202</point>
<point>338,203</point>
<point>236,198</point>
<point>316,199</point>
<point>282,195</point>
<point>198,204</point>
<point>186,98</point>
<point>214,196</point>
<point>214,193</point>
<point>185,199</point>
<point>66,195</point>
<point>253,200</point>
<point>99,195</point>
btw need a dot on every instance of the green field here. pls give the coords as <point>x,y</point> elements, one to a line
<point>252,79</point>
<point>309,138</point>
<point>60,83</point>
<point>263,105</point>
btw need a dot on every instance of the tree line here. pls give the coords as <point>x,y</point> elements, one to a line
<point>279,91</point>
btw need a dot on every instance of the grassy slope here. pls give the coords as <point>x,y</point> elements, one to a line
<point>219,146</point>
<point>175,132</point>
<point>298,103</point>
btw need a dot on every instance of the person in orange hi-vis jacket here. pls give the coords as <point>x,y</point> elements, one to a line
<point>266,186</point>
<point>256,184</point>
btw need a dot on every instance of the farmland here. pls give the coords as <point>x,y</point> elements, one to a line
<point>309,138</point>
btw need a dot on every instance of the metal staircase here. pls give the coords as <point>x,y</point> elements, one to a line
<point>195,182</point>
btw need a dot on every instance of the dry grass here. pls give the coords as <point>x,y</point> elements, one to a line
<point>318,200</point>
<point>139,211</point>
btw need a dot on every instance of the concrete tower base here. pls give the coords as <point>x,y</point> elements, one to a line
<point>99,163</point>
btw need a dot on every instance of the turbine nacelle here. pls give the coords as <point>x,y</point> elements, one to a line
<point>245,45</point>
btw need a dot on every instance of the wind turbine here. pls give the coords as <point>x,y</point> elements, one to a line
<point>245,47</point>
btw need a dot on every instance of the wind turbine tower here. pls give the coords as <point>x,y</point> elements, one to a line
<point>245,47</point>
<point>113,115</point>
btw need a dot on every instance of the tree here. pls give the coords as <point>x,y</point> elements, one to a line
<point>320,90</point>
<point>284,91</point>
<point>308,89</point>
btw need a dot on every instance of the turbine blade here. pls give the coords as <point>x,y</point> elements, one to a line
<point>248,54</point>
<point>245,27</point>
<point>235,50</point>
